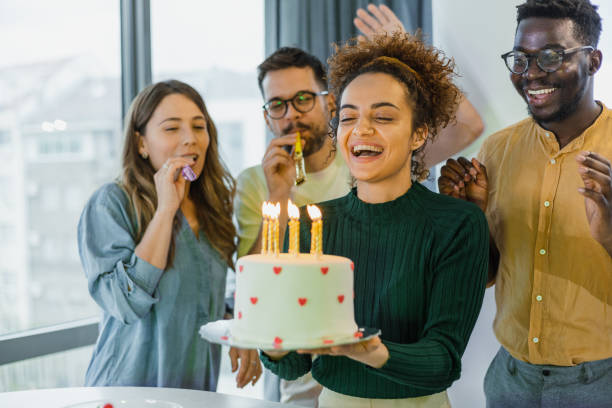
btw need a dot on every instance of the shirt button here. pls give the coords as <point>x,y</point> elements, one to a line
<point>542,252</point>
<point>552,161</point>
<point>535,339</point>
<point>539,298</point>
<point>546,203</point>
<point>547,134</point>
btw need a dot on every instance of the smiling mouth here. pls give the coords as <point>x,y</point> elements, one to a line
<point>366,150</point>
<point>538,92</point>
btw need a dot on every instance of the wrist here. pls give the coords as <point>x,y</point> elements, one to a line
<point>279,196</point>
<point>381,356</point>
<point>164,214</point>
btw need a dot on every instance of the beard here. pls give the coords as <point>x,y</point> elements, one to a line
<point>315,139</point>
<point>564,111</point>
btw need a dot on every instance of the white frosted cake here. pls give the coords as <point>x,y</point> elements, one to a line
<point>291,301</point>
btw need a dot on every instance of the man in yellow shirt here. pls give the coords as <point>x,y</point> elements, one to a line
<point>545,184</point>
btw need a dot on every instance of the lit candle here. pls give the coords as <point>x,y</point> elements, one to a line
<point>275,216</point>
<point>316,231</point>
<point>264,229</point>
<point>294,228</point>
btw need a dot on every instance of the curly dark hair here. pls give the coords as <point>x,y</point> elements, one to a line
<point>289,57</point>
<point>587,22</point>
<point>424,71</point>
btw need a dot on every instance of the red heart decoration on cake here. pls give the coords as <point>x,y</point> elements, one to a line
<point>239,315</point>
<point>277,342</point>
<point>302,301</point>
<point>241,267</point>
<point>326,341</point>
<point>340,298</point>
<point>277,269</point>
<point>352,266</point>
<point>324,270</point>
<point>358,334</point>
<point>253,300</point>
<point>224,337</point>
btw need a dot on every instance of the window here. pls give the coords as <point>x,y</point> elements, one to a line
<point>59,88</point>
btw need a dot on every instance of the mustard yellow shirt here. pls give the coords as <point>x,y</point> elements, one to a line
<point>554,284</point>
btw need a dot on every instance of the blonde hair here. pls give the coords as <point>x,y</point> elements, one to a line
<point>212,192</point>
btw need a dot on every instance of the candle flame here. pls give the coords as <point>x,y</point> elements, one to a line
<point>314,212</point>
<point>264,210</point>
<point>275,210</point>
<point>293,210</point>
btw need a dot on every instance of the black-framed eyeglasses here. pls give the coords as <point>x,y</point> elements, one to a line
<point>548,60</point>
<point>302,102</point>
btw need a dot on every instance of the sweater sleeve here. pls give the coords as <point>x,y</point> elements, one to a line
<point>460,272</point>
<point>290,367</point>
<point>121,283</point>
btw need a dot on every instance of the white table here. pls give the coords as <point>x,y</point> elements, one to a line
<point>61,397</point>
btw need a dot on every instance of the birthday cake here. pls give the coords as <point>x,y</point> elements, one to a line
<point>293,301</point>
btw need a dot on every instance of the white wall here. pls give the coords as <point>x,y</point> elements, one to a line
<point>476,33</point>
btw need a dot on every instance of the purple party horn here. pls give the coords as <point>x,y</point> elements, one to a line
<point>188,173</point>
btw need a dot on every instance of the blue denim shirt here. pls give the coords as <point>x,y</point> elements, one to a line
<point>149,327</point>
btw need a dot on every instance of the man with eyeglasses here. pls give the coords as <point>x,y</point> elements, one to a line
<point>294,87</point>
<point>545,185</point>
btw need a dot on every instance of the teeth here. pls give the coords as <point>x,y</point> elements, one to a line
<point>361,148</point>
<point>541,91</point>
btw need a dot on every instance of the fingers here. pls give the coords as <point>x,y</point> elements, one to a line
<point>233,353</point>
<point>391,17</point>
<point>172,167</point>
<point>369,25</point>
<point>362,27</point>
<point>380,16</point>
<point>598,198</point>
<point>595,168</point>
<point>450,188</point>
<point>250,367</point>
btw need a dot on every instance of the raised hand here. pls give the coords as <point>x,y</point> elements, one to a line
<point>596,173</point>
<point>279,168</point>
<point>466,180</point>
<point>169,184</point>
<point>379,20</point>
<point>250,366</point>
<point>371,352</point>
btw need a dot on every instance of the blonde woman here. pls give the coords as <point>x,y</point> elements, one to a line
<point>155,246</point>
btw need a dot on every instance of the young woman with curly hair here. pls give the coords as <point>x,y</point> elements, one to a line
<point>155,246</point>
<point>420,258</point>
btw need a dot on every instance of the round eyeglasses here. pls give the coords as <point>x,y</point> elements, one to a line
<point>302,102</point>
<point>548,60</point>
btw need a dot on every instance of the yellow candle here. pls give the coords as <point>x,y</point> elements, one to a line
<point>315,230</point>
<point>264,228</point>
<point>276,232</point>
<point>294,228</point>
<point>270,228</point>
<point>319,242</point>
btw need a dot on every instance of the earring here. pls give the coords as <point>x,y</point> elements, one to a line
<point>145,155</point>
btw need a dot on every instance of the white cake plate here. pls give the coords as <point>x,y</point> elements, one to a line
<point>220,332</point>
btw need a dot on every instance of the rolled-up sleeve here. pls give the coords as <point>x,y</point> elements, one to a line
<point>123,284</point>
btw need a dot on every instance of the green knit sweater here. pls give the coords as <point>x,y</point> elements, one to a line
<point>420,273</point>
